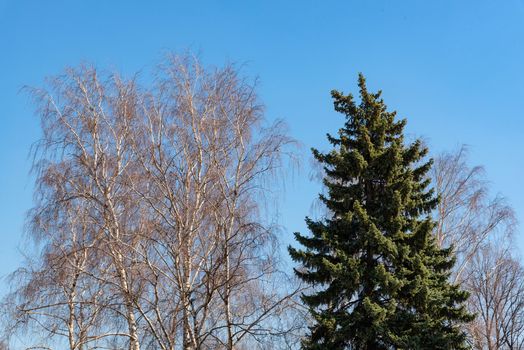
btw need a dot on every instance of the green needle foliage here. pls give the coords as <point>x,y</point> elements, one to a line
<point>379,280</point>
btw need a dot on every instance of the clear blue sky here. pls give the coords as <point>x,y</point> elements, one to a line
<point>455,69</point>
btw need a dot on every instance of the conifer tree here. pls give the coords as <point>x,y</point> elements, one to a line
<point>379,281</point>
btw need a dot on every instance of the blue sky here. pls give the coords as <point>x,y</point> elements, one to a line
<point>453,68</point>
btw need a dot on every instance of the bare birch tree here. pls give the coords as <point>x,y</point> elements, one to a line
<point>207,155</point>
<point>149,209</point>
<point>467,217</point>
<point>480,230</point>
<point>497,297</point>
<point>84,160</point>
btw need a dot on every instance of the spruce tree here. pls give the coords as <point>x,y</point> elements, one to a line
<point>378,279</point>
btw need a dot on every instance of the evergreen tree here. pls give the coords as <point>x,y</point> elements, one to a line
<point>379,280</point>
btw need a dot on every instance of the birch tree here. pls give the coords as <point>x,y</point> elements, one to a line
<point>209,157</point>
<point>150,214</point>
<point>497,297</point>
<point>83,162</point>
<point>480,229</point>
<point>467,216</point>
